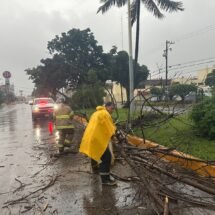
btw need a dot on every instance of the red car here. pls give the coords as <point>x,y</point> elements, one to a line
<point>42,107</point>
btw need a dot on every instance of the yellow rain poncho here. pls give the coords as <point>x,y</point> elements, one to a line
<point>97,134</point>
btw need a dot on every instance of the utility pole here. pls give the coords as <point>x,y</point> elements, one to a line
<point>131,68</point>
<point>122,33</point>
<point>165,54</point>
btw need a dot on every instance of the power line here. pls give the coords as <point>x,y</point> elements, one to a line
<point>187,36</point>
<point>181,71</point>
<point>182,65</point>
<point>185,72</point>
<point>197,33</point>
<point>193,61</point>
<point>192,65</point>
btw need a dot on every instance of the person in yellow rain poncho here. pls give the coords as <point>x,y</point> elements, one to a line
<point>96,139</point>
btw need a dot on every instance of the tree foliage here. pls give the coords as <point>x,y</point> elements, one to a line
<point>51,76</point>
<point>203,115</point>
<point>80,50</point>
<point>74,54</point>
<point>155,7</point>
<point>181,90</point>
<point>2,97</point>
<point>7,97</point>
<point>90,94</point>
<point>210,79</point>
<point>121,71</point>
<point>158,92</point>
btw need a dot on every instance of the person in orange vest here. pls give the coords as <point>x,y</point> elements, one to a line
<point>63,123</point>
<point>96,140</point>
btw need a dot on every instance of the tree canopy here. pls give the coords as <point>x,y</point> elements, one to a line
<point>181,90</point>
<point>2,97</point>
<point>80,50</point>
<point>210,79</point>
<point>159,92</point>
<point>89,94</point>
<point>121,71</point>
<point>203,116</point>
<point>75,54</point>
<point>51,76</point>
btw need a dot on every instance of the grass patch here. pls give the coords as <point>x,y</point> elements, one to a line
<point>177,132</point>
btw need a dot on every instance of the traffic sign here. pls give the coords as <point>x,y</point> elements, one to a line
<point>6,74</point>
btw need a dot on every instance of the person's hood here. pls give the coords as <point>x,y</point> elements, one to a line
<point>100,108</point>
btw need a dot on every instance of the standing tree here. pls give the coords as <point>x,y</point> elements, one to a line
<point>203,116</point>
<point>158,92</point>
<point>75,53</point>
<point>80,50</point>
<point>181,90</point>
<point>121,75</point>
<point>90,94</point>
<point>210,79</point>
<point>153,6</point>
<point>51,76</point>
<point>2,97</point>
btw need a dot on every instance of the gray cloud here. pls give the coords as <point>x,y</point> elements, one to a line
<point>27,26</point>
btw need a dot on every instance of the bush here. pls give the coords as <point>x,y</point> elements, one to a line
<point>159,92</point>
<point>90,94</point>
<point>203,115</point>
<point>181,90</point>
<point>2,97</point>
<point>87,97</point>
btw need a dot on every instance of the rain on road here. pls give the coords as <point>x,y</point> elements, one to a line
<point>35,182</point>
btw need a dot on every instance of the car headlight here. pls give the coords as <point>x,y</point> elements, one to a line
<point>55,107</point>
<point>36,109</point>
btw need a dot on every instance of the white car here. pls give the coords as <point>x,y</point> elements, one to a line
<point>42,107</point>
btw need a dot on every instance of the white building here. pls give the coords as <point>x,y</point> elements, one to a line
<point>116,90</point>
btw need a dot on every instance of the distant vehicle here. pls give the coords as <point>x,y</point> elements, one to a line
<point>42,107</point>
<point>30,102</point>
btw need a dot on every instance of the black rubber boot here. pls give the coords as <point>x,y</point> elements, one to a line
<point>61,150</point>
<point>106,180</point>
<point>95,166</point>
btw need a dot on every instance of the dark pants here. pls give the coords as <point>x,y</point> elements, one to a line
<point>104,166</point>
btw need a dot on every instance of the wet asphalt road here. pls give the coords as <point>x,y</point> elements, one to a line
<point>34,182</point>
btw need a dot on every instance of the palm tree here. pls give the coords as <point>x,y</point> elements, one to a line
<point>153,6</point>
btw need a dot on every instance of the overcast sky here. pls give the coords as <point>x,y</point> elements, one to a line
<point>27,26</point>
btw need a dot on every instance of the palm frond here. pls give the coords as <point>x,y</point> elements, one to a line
<point>152,7</point>
<point>170,6</point>
<point>108,3</point>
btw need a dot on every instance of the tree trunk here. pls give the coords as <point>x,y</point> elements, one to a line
<point>121,95</point>
<point>128,96</point>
